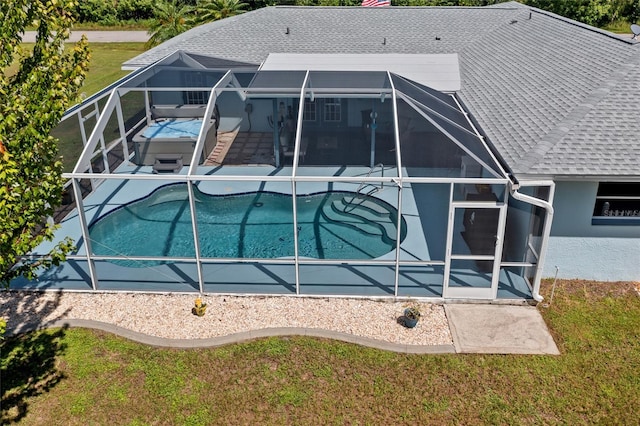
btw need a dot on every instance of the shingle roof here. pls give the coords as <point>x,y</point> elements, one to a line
<point>250,37</point>
<point>607,136</point>
<point>554,97</point>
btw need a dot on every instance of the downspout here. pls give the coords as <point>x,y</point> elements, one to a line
<point>546,231</point>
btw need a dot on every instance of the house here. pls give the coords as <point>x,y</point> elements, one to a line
<point>501,144</point>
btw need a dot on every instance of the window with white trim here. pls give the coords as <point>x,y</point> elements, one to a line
<point>617,203</point>
<point>309,113</point>
<point>332,109</point>
<point>195,79</point>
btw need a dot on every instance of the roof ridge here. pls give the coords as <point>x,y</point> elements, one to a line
<point>556,135</point>
<point>499,6</point>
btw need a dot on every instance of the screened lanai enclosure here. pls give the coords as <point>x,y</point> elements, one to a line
<point>201,175</point>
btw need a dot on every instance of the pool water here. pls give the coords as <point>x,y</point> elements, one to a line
<point>254,225</point>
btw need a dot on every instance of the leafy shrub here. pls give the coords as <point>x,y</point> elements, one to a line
<point>135,10</point>
<point>98,11</point>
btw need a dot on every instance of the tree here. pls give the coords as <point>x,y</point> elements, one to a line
<point>212,10</point>
<point>592,12</point>
<point>171,18</point>
<point>99,11</point>
<point>629,10</point>
<point>32,102</point>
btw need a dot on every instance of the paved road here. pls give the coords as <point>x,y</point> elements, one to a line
<point>99,36</point>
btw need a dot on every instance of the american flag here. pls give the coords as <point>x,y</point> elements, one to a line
<point>375,3</point>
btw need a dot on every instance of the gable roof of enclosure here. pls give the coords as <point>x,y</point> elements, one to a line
<point>440,111</point>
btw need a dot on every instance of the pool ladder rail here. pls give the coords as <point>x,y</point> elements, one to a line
<point>373,189</point>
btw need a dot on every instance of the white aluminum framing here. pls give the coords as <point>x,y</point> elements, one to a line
<point>294,198</point>
<point>462,146</point>
<point>547,206</point>
<point>472,292</point>
<point>226,84</point>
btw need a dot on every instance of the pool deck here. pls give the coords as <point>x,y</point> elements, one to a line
<point>276,276</point>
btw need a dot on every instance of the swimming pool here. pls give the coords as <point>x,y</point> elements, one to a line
<point>331,225</point>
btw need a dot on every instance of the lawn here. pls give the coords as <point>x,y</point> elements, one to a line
<point>105,63</point>
<point>104,69</point>
<point>84,377</point>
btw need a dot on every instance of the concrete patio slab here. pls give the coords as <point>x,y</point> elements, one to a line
<point>499,329</point>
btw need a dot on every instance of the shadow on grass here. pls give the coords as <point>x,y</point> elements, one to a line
<point>28,354</point>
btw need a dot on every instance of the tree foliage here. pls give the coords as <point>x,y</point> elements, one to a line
<point>593,12</point>
<point>113,12</point>
<point>174,17</point>
<point>171,18</point>
<point>212,10</point>
<point>32,101</point>
<point>97,11</point>
<point>135,10</point>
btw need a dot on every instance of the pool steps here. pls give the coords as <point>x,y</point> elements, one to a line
<point>364,215</point>
<point>350,202</point>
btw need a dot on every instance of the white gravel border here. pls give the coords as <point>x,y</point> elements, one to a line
<point>169,315</point>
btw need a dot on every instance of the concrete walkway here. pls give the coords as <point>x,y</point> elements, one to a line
<point>499,329</point>
<point>475,328</point>
<point>99,36</point>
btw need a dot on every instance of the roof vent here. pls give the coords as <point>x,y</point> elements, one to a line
<point>635,29</point>
<point>287,32</point>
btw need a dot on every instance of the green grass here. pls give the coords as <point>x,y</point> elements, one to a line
<point>620,27</point>
<point>141,25</point>
<point>85,377</point>
<point>105,63</point>
<point>104,68</point>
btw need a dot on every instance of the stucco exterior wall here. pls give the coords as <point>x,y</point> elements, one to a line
<point>583,250</point>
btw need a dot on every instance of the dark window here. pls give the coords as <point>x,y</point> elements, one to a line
<point>617,203</point>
